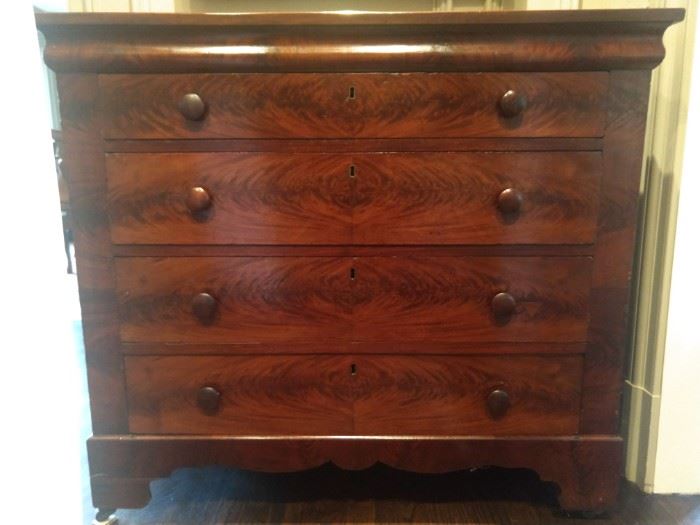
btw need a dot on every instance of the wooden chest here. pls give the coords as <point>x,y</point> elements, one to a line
<point>361,238</point>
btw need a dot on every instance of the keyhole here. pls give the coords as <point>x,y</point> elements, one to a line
<point>351,94</point>
<point>352,274</point>
<point>353,369</point>
<point>351,170</point>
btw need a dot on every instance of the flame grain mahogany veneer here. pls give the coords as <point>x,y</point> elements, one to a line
<point>398,238</point>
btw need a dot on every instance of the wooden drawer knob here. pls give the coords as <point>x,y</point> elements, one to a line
<point>208,399</point>
<point>503,305</point>
<point>498,403</point>
<point>510,201</point>
<point>512,103</point>
<point>198,200</point>
<point>192,106</point>
<point>204,307</point>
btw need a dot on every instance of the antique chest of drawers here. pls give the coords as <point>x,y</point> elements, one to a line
<point>397,238</point>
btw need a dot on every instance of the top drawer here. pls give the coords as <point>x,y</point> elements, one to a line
<point>354,105</point>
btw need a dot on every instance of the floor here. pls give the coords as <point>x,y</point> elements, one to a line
<point>378,495</point>
<point>382,495</point>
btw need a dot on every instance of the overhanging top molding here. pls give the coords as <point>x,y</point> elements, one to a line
<point>328,42</point>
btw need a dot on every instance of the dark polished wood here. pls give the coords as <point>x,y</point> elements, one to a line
<point>449,299</point>
<point>614,250</point>
<point>269,106</point>
<point>488,496</point>
<point>325,42</point>
<point>586,469</point>
<point>84,170</point>
<point>357,347</point>
<point>601,18</point>
<point>393,394</point>
<point>510,201</point>
<point>204,307</point>
<point>268,198</point>
<point>313,238</point>
<point>498,403</point>
<point>209,400</point>
<point>451,198</point>
<point>503,305</point>
<point>432,250</point>
<point>529,144</point>
<point>512,103</point>
<point>271,299</point>
<point>260,395</point>
<point>392,198</point>
<point>354,395</point>
<point>373,299</point>
<point>192,106</point>
<point>198,200</point>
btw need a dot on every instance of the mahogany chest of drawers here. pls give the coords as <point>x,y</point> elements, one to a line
<point>361,238</point>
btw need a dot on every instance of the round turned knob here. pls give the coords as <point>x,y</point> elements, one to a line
<point>192,106</point>
<point>498,403</point>
<point>512,103</point>
<point>208,399</point>
<point>503,305</point>
<point>198,199</point>
<point>204,307</point>
<point>509,201</point>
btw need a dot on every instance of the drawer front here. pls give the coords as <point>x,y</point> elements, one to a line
<point>476,198</point>
<point>472,299</point>
<point>268,198</point>
<point>356,105</point>
<point>234,300</point>
<point>459,395</point>
<point>368,299</point>
<point>380,198</point>
<point>347,395</point>
<point>262,395</point>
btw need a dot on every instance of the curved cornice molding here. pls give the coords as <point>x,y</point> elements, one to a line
<point>330,42</point>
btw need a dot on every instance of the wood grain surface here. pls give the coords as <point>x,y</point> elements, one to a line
<point>331,199</point>
<point>354,348</point>
<point>614,252</point>
<point>433,299</point>
<point>272,198</point>
<point>382,105</point>
<point>586,468</point>
<point>334,268</point>
<point>371,299</point>
<point>485,21</point>
<point>430,250</point>
<point>83,168</point>
<point>270,395</point>
<point>353,395</point>
<point>271,299</point>
<point>380,494</point>
<point>451,198</point>
<point>440,395</point>
<point>331,42</point>
<point>409,145</point>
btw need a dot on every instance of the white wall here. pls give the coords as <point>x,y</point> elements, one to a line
<point>40,436</point>
<point>678,446</point>
<point>51,5</point>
